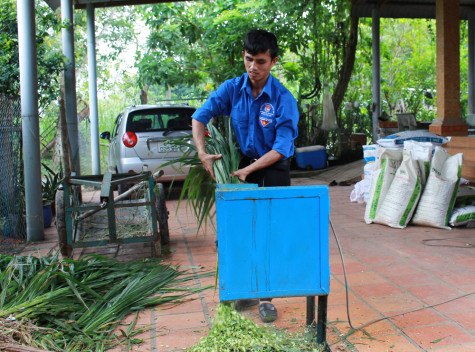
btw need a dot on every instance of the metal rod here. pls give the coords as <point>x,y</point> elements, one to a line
<point>124,195</point>
<point>96,243</point>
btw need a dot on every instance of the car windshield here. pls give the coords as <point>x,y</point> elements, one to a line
<point>159,120</point>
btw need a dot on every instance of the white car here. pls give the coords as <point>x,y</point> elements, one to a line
<point>139,138</point>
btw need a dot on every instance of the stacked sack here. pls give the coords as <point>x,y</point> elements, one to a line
<point>360,193</point>
<point>413,178</point>
<point>464,210</point>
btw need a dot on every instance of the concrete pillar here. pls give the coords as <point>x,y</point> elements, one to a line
<point>30,119</point>
<point>448,121</point>
<point>376,83</point>
<point>93,109</point>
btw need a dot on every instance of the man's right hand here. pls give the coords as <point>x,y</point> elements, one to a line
<point>199,138</point>
<point>208,160</point>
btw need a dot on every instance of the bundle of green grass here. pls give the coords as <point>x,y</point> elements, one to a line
<point>232,332</point>
<point>78,305</point>
<point>199,188</point>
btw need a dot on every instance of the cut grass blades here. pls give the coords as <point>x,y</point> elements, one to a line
<point>77,305</point>
<point>227,147</point>
<point>232,332</point>
<point>198,187</point>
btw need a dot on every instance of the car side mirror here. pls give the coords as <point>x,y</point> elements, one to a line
<point>106,135</point>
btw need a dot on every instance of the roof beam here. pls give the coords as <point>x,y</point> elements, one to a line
<point>405,8</point>
<point>81,4</point>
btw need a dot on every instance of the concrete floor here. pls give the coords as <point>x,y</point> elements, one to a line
<point>389,272</point>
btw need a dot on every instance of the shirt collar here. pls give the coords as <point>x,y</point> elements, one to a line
<point>267,88</point>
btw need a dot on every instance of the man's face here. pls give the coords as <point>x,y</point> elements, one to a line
<point>258,66</point>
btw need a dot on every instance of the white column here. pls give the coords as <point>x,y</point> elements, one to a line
<point>93,110</point>
<point>376,83</point>
<point>30,119</point>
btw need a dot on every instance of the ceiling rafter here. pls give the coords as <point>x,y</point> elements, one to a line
<point>405,8</point>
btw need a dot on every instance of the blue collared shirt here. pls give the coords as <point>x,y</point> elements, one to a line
<point>261,124</point>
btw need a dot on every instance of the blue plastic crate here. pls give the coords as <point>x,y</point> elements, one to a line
<point>313,157</point>
<point>273,241</point>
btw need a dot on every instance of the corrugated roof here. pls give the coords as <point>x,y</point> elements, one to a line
<point>405,8</point>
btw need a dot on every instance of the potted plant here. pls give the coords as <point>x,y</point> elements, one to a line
<point>50,185</point>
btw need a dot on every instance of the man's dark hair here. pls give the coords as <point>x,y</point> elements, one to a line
<point>259,41</point>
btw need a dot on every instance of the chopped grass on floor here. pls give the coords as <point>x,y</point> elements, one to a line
<point>78,305</point>
<point>232,332</point>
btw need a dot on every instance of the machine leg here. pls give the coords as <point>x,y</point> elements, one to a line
<point>311,311</point>
<point>322,319</point>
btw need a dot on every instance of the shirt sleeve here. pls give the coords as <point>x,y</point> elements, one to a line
<point>218,104</point>
<point>286,125</point>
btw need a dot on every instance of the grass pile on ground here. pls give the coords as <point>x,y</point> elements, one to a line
<point>232,332</point>
<point>77,305</point>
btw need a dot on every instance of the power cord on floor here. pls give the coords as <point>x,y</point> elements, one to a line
<point>463,244</point>
<point>353,329</point>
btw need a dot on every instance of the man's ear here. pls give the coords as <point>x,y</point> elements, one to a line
<point>274,61</point>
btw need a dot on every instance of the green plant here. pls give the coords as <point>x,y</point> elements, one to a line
<point>50,184</point>
<point>199,187</point>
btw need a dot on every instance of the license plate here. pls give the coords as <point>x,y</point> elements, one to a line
<point>168,149</point>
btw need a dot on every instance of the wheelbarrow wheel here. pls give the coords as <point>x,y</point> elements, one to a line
<point>65,248</point>
<point>162,214</point>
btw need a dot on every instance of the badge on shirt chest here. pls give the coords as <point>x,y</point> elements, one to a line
<point>266,114</point>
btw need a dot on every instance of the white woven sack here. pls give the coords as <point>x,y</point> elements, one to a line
<point>397,140</point>
<point>422,153</point>
<point>438,197</point>
<point>383,174</point>
<point>404,192</point>
<point>368,175</point>
<point>357,194</point>
<point>370,153</point>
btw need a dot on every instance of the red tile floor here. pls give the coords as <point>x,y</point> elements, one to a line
<point>389,272</point>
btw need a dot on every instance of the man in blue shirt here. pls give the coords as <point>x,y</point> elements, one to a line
<point>264,117</point>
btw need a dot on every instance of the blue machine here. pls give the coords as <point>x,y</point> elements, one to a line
<point>273,241</point>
